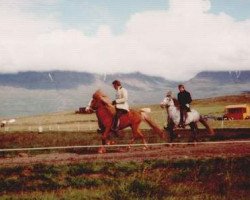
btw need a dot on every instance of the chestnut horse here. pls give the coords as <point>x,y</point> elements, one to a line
<point>105,111</point>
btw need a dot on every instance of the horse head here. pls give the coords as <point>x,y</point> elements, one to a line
<point>169,101</point>
<point>99,99</point>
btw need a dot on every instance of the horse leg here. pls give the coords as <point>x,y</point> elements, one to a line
<point>131,142</point>
<point>137,133</point>
<point>204,123</point>
<point>104,140</point>
<point>194,129</point>
<point>170,130</point>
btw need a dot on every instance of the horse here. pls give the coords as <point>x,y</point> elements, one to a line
<point>105,112</point>
<point>191,118</point>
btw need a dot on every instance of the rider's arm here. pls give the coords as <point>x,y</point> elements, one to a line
<point>88,106</point>
<point>189,98</point>
<point>179,97</point>
<point>124,97</point>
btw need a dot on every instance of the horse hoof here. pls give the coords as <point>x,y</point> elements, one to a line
<point>102,150</point>
<point>128,148</point>
<point>107,142</point>
<point>145,148</point>
<point>112,142</point>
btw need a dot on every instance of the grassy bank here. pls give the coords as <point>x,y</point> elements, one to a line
<point>217,178</point>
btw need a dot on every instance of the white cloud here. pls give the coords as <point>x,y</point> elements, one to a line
<point>176,43</point>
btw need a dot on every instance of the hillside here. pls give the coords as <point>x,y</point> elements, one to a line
<point>225,100</point>
<point>29,93</point>
<point>211,84</point>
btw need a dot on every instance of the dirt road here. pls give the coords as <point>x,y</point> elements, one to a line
<point>136,154</point>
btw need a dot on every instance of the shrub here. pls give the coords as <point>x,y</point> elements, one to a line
<point>159,164</point>
<point>80,182</point>
<point>145,189</point>
<point>120,192</point>
<point>12,184</point>
<point>127,168</point>
<point>7,171</point>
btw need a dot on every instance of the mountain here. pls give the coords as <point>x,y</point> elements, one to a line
<point>29,93</point>
<point>224,77</point>
<point>70,80</point>
<point>219,83</point>
<point>47,80</point>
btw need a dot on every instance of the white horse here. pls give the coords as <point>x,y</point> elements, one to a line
<point>191,118</point>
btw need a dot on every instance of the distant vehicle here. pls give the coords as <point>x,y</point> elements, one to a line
<point>83,110</point>
<point>236,112</point>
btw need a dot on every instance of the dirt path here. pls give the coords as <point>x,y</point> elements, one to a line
<point>136,154</point>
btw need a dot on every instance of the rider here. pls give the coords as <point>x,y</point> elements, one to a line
<point>121,103</point>
<point>184,99</point>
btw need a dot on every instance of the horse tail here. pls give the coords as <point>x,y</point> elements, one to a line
<point>145,117</point>
<point>210,130</point>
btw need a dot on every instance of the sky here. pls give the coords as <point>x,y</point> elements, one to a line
<point>174,39</point>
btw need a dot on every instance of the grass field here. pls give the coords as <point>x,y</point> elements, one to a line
<point>217,178</point>
<point>68,121</point>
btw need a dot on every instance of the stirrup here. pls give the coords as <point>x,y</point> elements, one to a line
<point>181,125</point>
<point>100,130</point>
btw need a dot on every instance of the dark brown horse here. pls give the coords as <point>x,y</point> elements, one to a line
<point>105,111</point>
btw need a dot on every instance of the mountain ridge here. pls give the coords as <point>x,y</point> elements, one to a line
<point>29,93</point>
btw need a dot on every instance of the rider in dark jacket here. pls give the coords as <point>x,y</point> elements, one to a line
<point>184,99</point>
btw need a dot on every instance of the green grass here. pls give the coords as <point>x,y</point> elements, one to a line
<point>217,178</point>
<point>68,121</point>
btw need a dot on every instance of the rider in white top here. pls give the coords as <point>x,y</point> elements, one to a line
<point>120,103</point>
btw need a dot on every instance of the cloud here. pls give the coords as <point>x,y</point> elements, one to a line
<point>176,43</point>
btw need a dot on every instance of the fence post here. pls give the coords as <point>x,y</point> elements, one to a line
<point>78,127</point>
<point>90,127</point>
<point>40,129</point>
<point>222,123</point>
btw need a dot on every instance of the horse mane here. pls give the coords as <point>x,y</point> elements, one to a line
<point>105,99</point>
<point>176,103</point>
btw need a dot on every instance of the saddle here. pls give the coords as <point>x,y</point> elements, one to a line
<point>116,120</point>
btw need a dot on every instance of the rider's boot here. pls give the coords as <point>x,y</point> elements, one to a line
<point>115,127</point>
<point>182,123</point>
